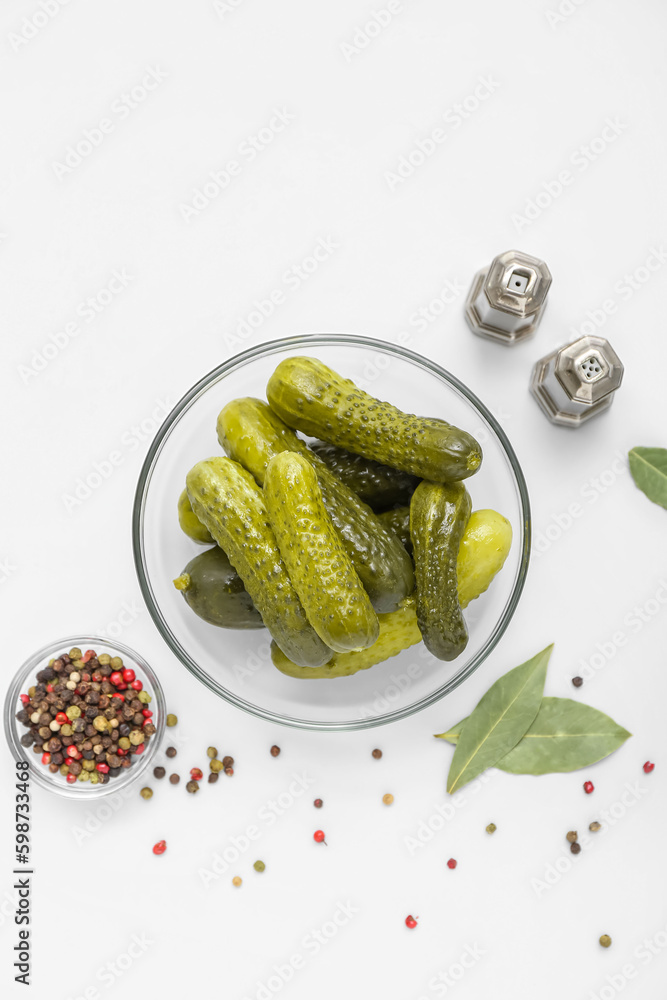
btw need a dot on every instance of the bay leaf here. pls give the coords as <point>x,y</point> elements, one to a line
<point>649,471</point>
<point>500,719</point>
<point>565,736</point>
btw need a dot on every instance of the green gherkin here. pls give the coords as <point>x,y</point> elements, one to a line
<point>439,514</point>
<point>313,398</point>
<point>320,569</point>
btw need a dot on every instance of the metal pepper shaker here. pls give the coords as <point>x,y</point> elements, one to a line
<point>577,381</point>
<point>507,299</point>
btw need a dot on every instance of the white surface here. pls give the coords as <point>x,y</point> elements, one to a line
<point>550,89</point>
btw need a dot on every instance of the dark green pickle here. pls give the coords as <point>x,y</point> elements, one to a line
<point>215,592</point>
<point>439,513</point>
<point>380,486</point>
<point>398,521</point>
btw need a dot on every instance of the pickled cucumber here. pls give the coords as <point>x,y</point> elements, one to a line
<point>484,548</point>
<point>398,630</point>
<point>321,572</point>
<point>252,434</point>
<point>398,521</point>
<point>439,514</point>
<point>310,397</point>
<point>377,485</point>
<point>215,592</point>
<point>230,503</point>
<point>190,523</point>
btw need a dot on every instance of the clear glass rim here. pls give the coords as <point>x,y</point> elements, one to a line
<point>266,349</point>
<point>80,790</point>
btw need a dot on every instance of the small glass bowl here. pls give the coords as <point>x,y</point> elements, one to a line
<point>25,678</point>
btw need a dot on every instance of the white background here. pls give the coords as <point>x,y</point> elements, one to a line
<point>355,113</point>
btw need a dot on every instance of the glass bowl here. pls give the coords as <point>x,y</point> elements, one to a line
<point>25,678</point>
<point>236,665</point>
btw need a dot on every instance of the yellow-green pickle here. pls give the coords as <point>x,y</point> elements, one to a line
<point>316,400</point>
<point>322,573</point>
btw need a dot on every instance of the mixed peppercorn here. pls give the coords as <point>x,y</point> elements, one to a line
<point>87,715</point>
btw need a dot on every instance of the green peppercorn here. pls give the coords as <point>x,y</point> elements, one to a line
<point>85,775</point>
<point>94,778</point>
<point>144,697</point>
<point>73,712</point>
<point>491,828</point>
<point>116,662</point>
<point>64,769</point>
<point>192,786</point>
<point>172,719</point>
<point>136,737</point>
<point>212,752</point>
<point>605,941</point>
<point>146,793</point>
<point>100,723</point>
<point>88,765</point>
<point>215,766</point>
<point>104,659</point>
<point>75,653</point>
<point>259,866</point>
<point>66,730</point>
<point>124,743</point>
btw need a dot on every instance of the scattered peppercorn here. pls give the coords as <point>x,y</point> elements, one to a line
<point>196,774</point>
<point>589,787</point>
<point>571,837</point>
<point>575,848</point>
<point>192,786</point>
<point>577,681</point>
<point>452,863</point>
<point>229,771</point>
<point>227,761</point>
<point>605,941</point>
<point>318,803</point>
<point>275,751</point>
<point>172,719</point>
<point>215,765</point>
<point>318,837</point>
<point>491,828</point>
<point>648,767</point>
<point>174,778</point>
<point>259,866</point>
<point>376,754</point>
<point>171,751</point>
<point>213,777</point>
<point>159,772</point>
<point>160,847</point>
<point>212,752</point>
<point>410,922</point>
<point>595,826</point>
<point>237,881</point>
<point>146,793</point>
<point>388,799</point>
